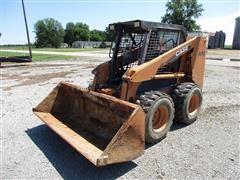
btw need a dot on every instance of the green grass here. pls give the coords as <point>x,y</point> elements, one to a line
<point>228,47</point>
<point>52,49</point>
<point>39,57</point>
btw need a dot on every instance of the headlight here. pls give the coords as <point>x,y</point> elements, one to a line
<point>111,27</point>
<point>136,24</point>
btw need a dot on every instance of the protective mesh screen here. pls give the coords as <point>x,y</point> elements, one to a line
<point>128,44</point>
<point>160,42</point>
<point>131,44</point>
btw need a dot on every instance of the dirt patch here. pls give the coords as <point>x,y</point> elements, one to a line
<point>34,79</point>
<point>91,66</point>
<point>50,65</point>
<point>210,109</point>
<point>223,53</point>
<point>7,65</point>
<point>12,77</point>
<point>32,65</point>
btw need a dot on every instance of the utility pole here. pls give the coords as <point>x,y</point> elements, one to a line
<point>25,19</point>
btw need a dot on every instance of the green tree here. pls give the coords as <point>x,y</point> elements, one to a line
<point>49,33</point>
<point>108,34</point>
<point>81,32</point>
<point>69,33</point>
<point>183,12</point>
<point>97,35</point>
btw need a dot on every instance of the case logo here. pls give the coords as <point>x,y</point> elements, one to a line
<point>182,50</point>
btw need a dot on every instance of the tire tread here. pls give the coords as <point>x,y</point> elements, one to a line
<point>179,95</point>
<point>146,101</point>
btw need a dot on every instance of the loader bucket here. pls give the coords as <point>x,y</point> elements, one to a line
<point>102,128</point>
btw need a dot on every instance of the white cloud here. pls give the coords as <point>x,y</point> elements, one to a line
<point>225,23</point>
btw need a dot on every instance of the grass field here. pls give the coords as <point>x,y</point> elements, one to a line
<point>39,57</point>
<point>228,47</point>
<point>52,49</point>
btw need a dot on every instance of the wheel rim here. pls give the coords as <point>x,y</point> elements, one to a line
<point>160,118</point>
<point>194,104</point>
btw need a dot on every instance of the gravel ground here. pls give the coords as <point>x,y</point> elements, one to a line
<point>207,149</point>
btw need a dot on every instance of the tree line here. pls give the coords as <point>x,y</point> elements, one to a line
<point>50,33</point>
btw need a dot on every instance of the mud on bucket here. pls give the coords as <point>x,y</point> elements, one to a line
<point>102,128</point>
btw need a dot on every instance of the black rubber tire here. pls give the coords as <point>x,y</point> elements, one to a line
<point>151,102</point>
<point>182,96</point>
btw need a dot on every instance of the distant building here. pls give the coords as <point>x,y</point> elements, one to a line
<point>86,44</point>
<point>216,40</point>
<point>90,44</point>
<point>236,36</point>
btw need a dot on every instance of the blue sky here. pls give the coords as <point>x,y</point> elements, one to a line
<point>218,14</point>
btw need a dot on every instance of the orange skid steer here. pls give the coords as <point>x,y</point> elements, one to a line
<point>154,77</point>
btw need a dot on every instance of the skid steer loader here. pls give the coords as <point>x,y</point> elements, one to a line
<point>155,76</point>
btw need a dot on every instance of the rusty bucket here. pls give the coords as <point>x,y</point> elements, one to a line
<point>102,128</point>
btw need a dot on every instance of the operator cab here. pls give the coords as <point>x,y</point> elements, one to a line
<point>136,42</point>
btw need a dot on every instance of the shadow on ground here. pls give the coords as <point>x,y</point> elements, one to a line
<point>177,126</point>
<point>68,162</point>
